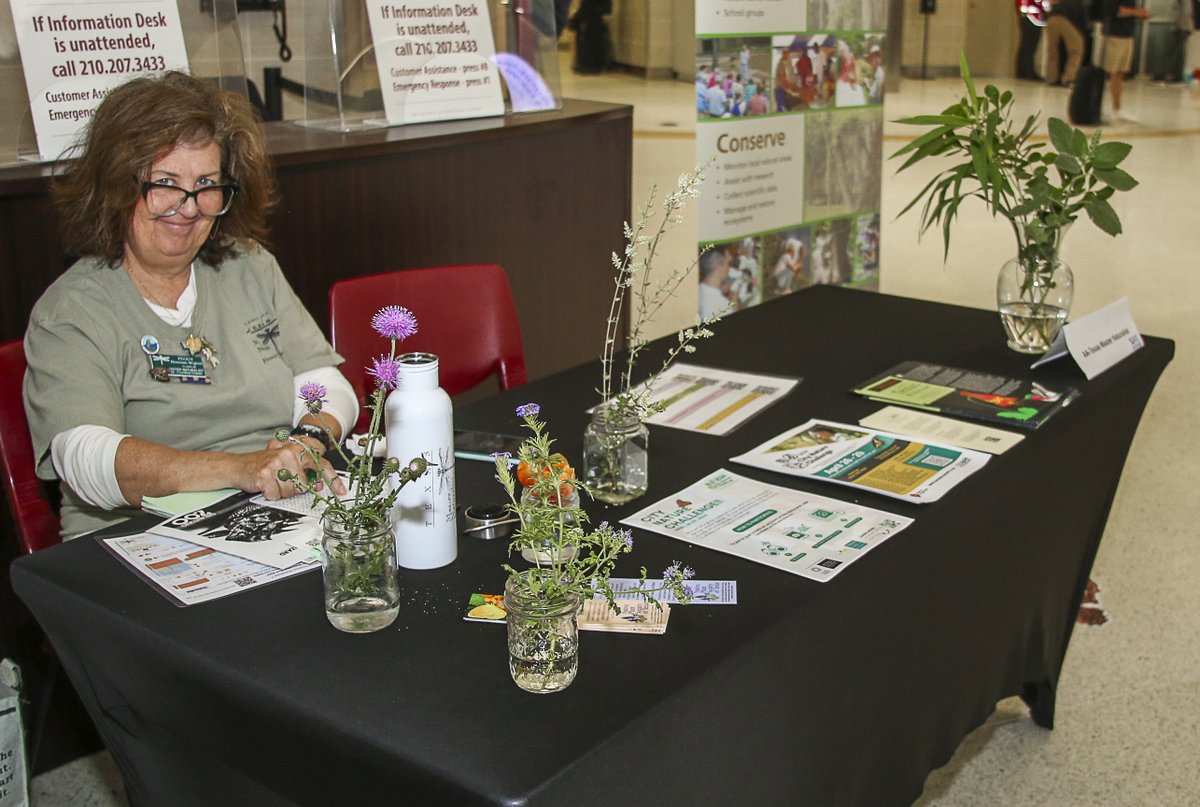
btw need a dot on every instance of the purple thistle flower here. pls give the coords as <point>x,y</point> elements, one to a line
<point>528,410</point>
<point>386,371</point>
<point>394,322</point>
<point>313,395</point>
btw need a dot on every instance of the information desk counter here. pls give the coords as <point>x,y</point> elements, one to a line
<point>840,693</point>
<point>543,194</point>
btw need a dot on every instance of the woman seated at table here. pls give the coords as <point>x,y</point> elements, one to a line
<point>171,354</point>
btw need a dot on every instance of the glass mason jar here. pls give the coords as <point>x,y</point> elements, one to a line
<point>616,457</point>
<point>543,638</point>
<point>1034,297</point>
<point>547,551</point>
<point>359,569</point>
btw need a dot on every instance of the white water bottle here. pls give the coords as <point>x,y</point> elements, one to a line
<point>418,422</point>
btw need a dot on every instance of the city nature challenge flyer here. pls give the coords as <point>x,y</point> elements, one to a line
<point>907,468</point>
<point>800,533</point>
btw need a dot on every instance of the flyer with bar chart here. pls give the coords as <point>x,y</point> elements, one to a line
<point>801,533</point>
<point>711,401</point>
<point>188,573</point>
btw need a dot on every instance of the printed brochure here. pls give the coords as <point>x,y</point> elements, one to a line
<point>800,533</point>
<point>1014,402</point>
<point>895,465</point>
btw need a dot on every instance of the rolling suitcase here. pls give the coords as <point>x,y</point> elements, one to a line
<point>1083,107</point>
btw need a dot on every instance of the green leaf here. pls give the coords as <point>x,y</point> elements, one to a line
<point>1103,216</point>
<point>1060,135</point>
<point>1068,164</point>
<point>966,77</point>
<point>1079,143</point>
<point>935,120</point>
<point>1116,178</point>
<point>1109,155</point>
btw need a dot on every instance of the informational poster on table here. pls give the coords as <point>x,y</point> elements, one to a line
<point>789,109</point>
<point>436,60</point>
<point>75,51</point>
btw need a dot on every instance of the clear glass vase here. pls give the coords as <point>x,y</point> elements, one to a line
<point>1034,297</point>
<point>555,517</point>
<point>359,569</point>
<point>543,636</point>
<point>616,457</point>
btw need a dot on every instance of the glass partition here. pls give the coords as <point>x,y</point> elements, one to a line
<point>212,40</point>
<point>335,80</point>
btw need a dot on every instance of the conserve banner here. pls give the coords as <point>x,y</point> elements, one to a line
<point>789,110</point>
<point>74,51</point>
<point>436,60</point>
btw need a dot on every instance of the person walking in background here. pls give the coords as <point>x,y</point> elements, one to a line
<point>1065,27</point>
<point>592,44</point>
<point>1182,17</point>
<point>1119,27</point>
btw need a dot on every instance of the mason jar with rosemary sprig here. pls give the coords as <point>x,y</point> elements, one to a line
<point>572,563</point>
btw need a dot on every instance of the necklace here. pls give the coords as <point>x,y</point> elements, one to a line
<point>145,291</point>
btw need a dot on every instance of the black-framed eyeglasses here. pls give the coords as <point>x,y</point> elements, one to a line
<point>165,200</point>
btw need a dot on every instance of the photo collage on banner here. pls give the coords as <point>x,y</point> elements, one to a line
<point>789,108</point>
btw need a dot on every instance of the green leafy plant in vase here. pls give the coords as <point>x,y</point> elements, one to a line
<point>571,563</point>
<point>358,547</point>
<point>1039,188</point>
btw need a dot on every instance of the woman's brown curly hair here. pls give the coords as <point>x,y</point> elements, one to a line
<point>136,125</point>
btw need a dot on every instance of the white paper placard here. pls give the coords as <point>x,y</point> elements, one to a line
<point>75,51</point>
<point>1099,340</point>
<point>436,60</point>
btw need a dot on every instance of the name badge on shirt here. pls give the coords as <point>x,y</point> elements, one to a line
<point>184,369</point>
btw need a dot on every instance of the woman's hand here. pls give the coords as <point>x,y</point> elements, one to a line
<point>296,456</point>
<point>149,469</point>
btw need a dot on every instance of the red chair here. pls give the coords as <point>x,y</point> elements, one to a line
<point>36,523</point>
<point>34,520</point>
<point>465,315</point>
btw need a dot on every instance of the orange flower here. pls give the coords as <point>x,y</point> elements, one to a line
<point>558,467</point>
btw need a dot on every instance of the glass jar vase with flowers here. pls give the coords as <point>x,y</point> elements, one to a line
<point>616,444</point>
<point>358,550</point>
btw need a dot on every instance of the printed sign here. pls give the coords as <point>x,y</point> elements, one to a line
<point>789,121</point>
<point>75,51</point>
<point>436,60</point>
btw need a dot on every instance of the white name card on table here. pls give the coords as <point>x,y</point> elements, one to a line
<point>1097,341</point>
<point>436,60</point>
<point>75,51</point>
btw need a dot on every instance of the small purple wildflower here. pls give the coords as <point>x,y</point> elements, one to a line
<point>386,371</point>
<point>626,537</point>
<point>528,410</point>
<point>688,572</point>
<point>689,593</point>
<point>394,322</point>
<point>313,395</point>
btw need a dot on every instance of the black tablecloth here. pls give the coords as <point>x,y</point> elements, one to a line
<point>847,692</point>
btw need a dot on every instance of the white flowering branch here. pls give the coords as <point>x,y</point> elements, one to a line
<point>635,266</point>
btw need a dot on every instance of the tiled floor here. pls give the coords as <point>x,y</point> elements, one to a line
<point>1127,726</point>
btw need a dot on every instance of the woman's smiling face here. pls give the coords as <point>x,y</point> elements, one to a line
<point>167,244</point>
